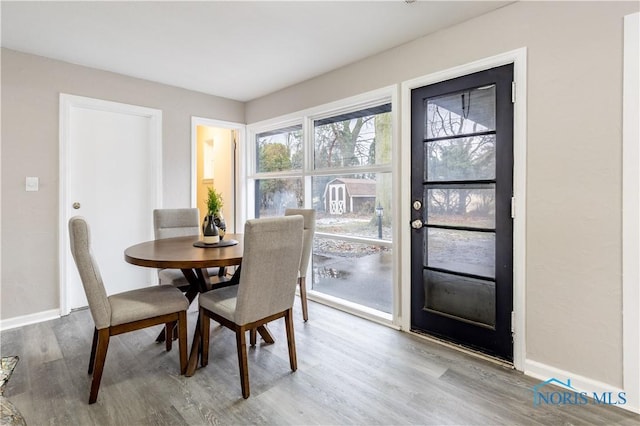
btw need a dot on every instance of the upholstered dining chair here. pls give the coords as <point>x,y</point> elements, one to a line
<point>169,223</point>
<point>123,312</point>
<point>309,216</point>
<point>270,262</point>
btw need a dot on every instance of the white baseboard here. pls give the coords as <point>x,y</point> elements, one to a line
<point>580,383</point>
<point>20,321</point>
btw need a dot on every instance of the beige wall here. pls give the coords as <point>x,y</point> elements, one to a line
<point>30,90</point>
<point>573,235</point>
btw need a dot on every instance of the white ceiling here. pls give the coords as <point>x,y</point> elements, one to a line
<point>235,49</point>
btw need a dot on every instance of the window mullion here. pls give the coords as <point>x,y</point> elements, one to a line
<point>352,170</point>
<point>307,169</point>
<point>280,174</point>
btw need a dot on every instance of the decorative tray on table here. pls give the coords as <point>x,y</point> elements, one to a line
<point>223,243</point>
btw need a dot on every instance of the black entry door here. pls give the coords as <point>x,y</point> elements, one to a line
<point>462,188</point>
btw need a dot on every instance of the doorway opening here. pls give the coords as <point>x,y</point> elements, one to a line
<point>214,165</point>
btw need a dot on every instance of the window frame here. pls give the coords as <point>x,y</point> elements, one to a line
<point>307,117</point>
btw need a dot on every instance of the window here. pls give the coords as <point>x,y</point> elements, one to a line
<point>349,140</point>
<point>338,163</point>
<point>347,261</point>
<point>273,196</point>
<point>278,152</point>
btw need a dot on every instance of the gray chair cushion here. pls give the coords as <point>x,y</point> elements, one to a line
<point>222,301</point>
<point>146,303</point>
<point>176,278</point>
<point>173,277</point>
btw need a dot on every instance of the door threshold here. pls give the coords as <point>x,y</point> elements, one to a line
<point>460,348</point>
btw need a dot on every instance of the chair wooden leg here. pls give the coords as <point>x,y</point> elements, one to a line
<point>101,354</point>
<point>168,327</point>
<point>93,351</point>
<point>205,328</point>
<point>253,337</point>
<point>291,341</point>
<point>303,298</point>
<point>242,361</point>
<point>182,340</point>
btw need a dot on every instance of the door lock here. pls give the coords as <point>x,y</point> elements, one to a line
<point>76,205</point>
<point>417,224</point>
<point>417,205</point>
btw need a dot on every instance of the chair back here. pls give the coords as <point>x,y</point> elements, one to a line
<point>270,262</point>
<point>309,216</point>
<point>169,223</point>
<point>80,239</point>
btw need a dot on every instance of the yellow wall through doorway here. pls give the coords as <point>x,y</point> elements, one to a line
<point>223,166</point>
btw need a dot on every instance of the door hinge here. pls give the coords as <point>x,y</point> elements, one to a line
<point>513,92</point>
<point>513,319</point>
<point>513,207</point>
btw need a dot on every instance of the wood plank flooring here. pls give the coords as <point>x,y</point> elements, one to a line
<point>350,372</point>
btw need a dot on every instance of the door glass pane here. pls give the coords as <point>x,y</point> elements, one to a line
<point>461,297</point>
<point>273,196</point>
<point>359,273</point>
<point>461,159</point>
<point>461,207</point>
<point>358,205</point>
<point>461,113</point>
<point>279,150</point>
<point>462,251</point>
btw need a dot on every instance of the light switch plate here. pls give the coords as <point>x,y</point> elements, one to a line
<point>31,183</point>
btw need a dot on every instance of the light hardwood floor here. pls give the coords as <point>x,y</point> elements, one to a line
<point>350,371</point>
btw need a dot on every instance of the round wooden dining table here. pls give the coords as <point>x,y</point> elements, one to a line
<point>180,253</point>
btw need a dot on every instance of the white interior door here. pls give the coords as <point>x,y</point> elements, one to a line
<point>110,174</point>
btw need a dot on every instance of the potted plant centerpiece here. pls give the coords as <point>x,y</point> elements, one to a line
<point>214,226</point>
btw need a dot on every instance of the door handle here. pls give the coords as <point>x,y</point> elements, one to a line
<point>417,224</point>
